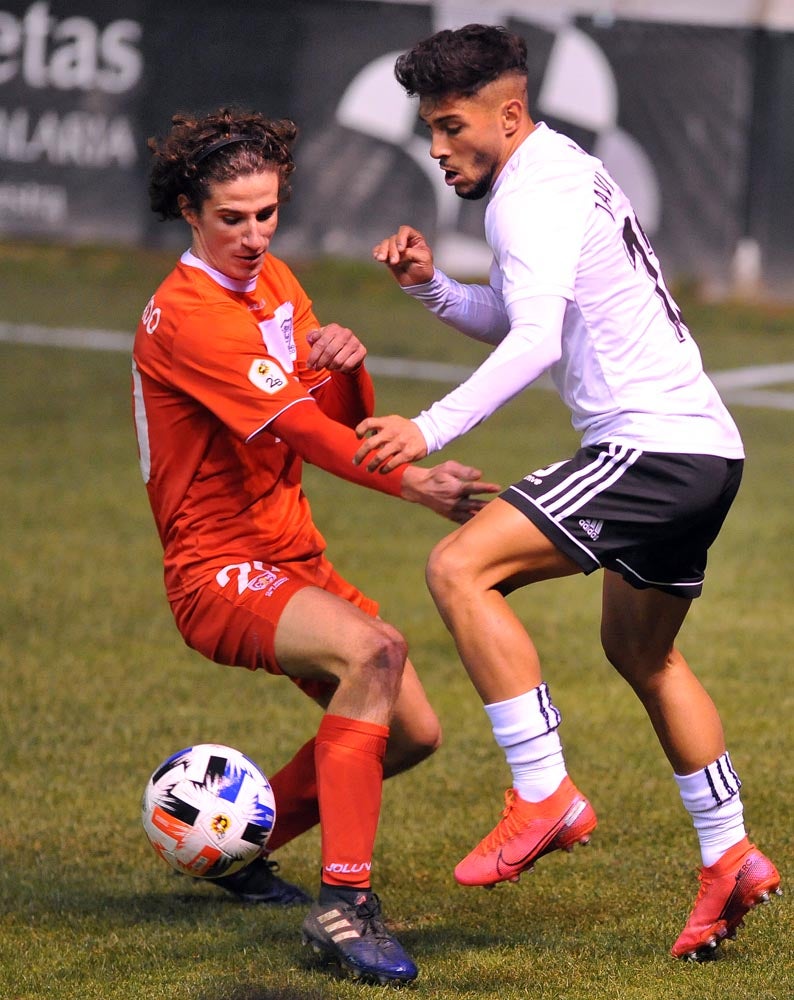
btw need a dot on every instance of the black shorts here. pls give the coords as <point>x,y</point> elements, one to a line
<point>649,516</point>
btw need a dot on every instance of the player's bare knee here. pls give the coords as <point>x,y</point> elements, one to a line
<point>381,654</point>
<point>620,654</point>
<point>430,742</point>
<point>425,742</point>
<point>638,664</point>
<point>406,752</point>
<point>416,753</point>
<point>446,571</point>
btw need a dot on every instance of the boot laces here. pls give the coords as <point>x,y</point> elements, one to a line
<point>368,911</point>
<point>508,826</point>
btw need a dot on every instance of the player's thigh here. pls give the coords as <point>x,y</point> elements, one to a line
<point>639,626</point>
<point>498,548</point>
<point>320,636</point>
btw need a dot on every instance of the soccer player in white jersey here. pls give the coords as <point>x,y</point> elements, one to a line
<point>576,290</point>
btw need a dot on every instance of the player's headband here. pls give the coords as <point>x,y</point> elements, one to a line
<point>219,144</point>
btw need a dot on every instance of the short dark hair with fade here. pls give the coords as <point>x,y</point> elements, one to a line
<point>462,61</point>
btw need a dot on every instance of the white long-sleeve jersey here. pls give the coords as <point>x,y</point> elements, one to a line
<point>576,289</point>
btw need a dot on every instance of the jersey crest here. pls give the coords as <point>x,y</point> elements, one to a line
<point>278,336</point>
<point>266,375</point>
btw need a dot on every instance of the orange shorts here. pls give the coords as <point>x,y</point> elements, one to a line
<point>232,619</point>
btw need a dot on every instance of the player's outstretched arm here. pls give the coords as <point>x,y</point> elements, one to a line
<point>407,255</point>
<point>450,489</point>
<point>475,310</point>
<point>531,347</point>
<point>388,442</point>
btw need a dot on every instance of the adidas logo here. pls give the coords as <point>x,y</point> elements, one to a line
<point>337,926</point>
<point>591,528</point>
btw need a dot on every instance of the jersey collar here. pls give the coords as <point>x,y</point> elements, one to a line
<point>232,284</point>
<point>526,149</point>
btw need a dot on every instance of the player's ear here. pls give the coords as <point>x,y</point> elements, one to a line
<point>512,115</point>
<point>189,213</point>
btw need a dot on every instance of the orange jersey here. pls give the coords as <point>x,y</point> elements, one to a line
<point>215,361</point>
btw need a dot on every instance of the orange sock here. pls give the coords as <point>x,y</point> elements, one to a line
<point>348,756</point>
<point>295,791</point>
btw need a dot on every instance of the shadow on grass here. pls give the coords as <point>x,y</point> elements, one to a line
<point>251,992</point>
<point>79,906</point>
<point>156,907</point>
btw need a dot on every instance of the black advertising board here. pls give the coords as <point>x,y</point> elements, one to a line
<point>71,76</point>
<point>691,119</point>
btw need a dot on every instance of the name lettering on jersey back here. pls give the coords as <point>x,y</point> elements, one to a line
<point>151,316</point>
<point>266,375</point>
<point>604,191</point>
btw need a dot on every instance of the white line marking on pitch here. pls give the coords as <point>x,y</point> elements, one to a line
<point>749,386</point>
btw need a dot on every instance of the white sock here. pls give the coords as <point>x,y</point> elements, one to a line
<point>712,799</point>
<point>526,729</point>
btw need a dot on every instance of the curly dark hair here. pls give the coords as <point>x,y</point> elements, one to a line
<point>462,61</point>
<point>221,146</point>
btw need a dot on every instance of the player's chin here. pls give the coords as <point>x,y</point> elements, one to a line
<point>248,267</point>
<point>473,190</point>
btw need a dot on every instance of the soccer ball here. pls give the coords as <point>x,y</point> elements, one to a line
<point>208,810</point>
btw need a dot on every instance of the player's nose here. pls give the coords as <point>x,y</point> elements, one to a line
<point>254,234</point>
<point>438,148</point>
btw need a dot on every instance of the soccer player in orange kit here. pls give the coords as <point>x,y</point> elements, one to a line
<point>235,383</point>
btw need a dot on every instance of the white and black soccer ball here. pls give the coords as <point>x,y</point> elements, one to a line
<point>208,810</point>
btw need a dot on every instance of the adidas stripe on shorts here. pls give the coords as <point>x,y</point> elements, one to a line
<point>650,516</point>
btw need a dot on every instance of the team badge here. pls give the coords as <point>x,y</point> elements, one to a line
<point>266,375</point>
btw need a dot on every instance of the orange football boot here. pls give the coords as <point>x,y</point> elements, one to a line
<point>729,889</point>
<point>527,831</point>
